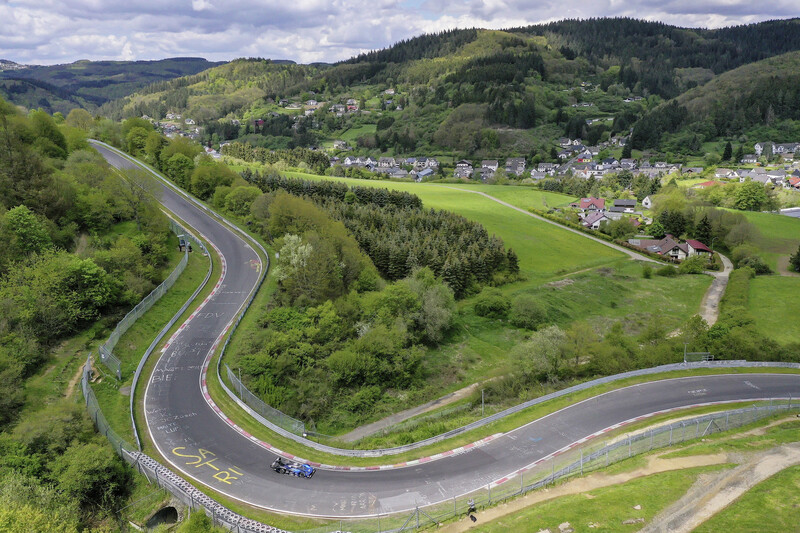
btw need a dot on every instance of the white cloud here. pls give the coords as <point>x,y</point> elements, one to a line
<point>58,31</point>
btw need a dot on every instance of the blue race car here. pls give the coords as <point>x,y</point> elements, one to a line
<point>292,468</point>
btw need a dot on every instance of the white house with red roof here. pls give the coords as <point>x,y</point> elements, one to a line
<point>590,204</point>
<point>697,248</point>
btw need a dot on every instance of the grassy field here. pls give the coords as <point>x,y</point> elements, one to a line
<point>772,505</point>
<point>350,135</point>
<point>606,508</point>
<point>780,235</point>
<point>774,303</point>
<point>543,249</point>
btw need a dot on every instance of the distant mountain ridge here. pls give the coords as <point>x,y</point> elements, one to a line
<point>89,83</point>
<point>5,65</point>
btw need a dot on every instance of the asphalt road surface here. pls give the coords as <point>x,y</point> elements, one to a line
<point>199,444</point>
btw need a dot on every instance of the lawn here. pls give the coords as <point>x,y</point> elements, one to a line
<point>772,505</point>
<point>543,249</point>
<point>780,235</point>
<point>350,135</point>
<point>774,303</point>
<point>605,508</point>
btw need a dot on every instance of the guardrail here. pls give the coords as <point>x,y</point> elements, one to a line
<point>163,477</point>
<point>106,350</point>
<point>562,465</point>
<point>381,452</point>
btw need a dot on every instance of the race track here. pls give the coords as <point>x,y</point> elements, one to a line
<point>199,444</point>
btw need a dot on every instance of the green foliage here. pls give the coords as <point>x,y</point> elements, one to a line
<point>207,177</point>
<point>647,271</point>
<point>492,303</point>
<point>23,233</point>
<point>695,264</point>
<point>179,167</point>
<point>90,474</point>
<point>527,312</point>
<point>750,196</point>
<point>199,522</point>
<point>794,260</point>
<point>667,271</point>
<point>239,200</point>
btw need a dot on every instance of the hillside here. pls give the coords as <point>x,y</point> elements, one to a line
<point>759,100</point>
<point>90,83</point>
<point>474,93</point>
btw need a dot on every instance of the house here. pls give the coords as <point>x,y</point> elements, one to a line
<point>370,162</point>
<point>548,168</point>
<point>627,164</point>
<point>483,174</point>
<point>564,154</point>
<point>515,165</point>
<point>766,149</point>
<point>463,169</point>
<point>333,160</point>
<point>590,204</point>
<point>693,170</point>
<point>189,121</point>
<point>490,164</point>
<point>628,206</point>
<point>615,213</point>
<point>340,145</point>
<point>595,220</point>
<point>647,202</point>
<point>425,162</point>
<point>564,142</point>
<point>788,157</point>
<point>725,173</point>
<point>793,183</point>
<point>397,172</point>
<point>423,174</point>
<point>386,162</point>
<point>668,246</point>
<point>311,102</point>
<point>698,248</point>
<point>749,159</point>
<point>350,161</point>
<point>786,148</point>
<point>610,162</point>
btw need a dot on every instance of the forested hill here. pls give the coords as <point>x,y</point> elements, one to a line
<point>89,83</point>
<point>466,93</point>
<point>760,100</point>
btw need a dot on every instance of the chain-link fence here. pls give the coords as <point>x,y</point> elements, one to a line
<point>106,350</point>
<point>381,452</point>
<point>270,413</point>
<point>562,465</point>
<point>163,477</point>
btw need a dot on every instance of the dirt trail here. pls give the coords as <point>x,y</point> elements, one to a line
<point>710,494</point>
<point>370,429</point>
<point>598,480</point>
<point>709,307</point>
<point>74,381</point>
<point>783,267</point>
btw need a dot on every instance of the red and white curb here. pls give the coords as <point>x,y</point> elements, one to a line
<point>612,428</point>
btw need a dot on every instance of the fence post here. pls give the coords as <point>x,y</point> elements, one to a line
<point>454,506</point>
<point>489,488</point>
<point>697,429</point>
<point>727,414</point>
<point>670,435</point>
<point>581,461</point>
<point>630,453</point>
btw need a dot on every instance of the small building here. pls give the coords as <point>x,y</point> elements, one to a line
<point>627,206</point>
<point>647,202</point>
<point>590,204</point>
<point>595,220</point>
<point>515,165</point>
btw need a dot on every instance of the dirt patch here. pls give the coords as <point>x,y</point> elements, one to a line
<point>72,382</point>
<point>783,267</point>
<point>594,481</point>
<point>560,283</point>
<point>713,492</point>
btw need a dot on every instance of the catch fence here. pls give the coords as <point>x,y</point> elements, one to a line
<point>257,404</point>
<point>563,465</point>
<point>106,350</point>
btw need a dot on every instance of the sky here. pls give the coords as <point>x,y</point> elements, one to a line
<point>62,31</point>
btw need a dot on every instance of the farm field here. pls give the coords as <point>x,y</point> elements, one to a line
<point>543,249</point>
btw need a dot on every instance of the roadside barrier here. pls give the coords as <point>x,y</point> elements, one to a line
<point>164,477</point>
<point>270,422</point>
<point>106,350</point>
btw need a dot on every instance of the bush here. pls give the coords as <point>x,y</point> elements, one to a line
<point>693,265</point>
<point>527,312</point>
<point>647,271</point>
<point>492,303</point>
<point>667,271</point>
<point>794,260</point>
<point>746,255</point>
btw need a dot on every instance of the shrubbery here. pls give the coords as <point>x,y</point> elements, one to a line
<point>492,303</point>
<point>527,312</point>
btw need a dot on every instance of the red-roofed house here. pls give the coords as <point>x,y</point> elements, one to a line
<point>793,183</point>
<point>697,248</point>
<point>590,204</point>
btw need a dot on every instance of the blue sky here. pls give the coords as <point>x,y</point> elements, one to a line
<point>62,31</point>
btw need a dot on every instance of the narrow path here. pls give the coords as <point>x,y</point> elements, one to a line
<point>709,307</point>
<point>630,253</point>
<point>370,429</point>
<point>707,496</point>
<point>783,268</point>
<point>655,465</point>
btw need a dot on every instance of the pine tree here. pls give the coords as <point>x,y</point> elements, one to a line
<point>513,261</point>
<point>727,153</point>
<point>740,153</point>
<point>703,231</point>
<point>626,151</point>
